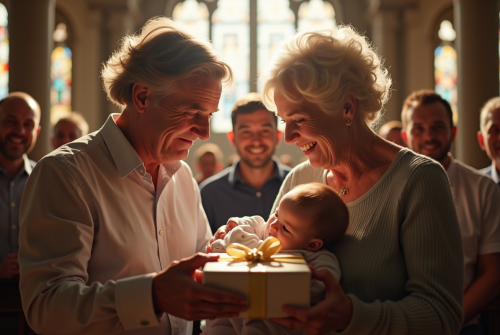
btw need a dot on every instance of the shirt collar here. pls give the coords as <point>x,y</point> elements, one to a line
<point>234,176</point>
<point>494,173</point>
<point>124,155</point>
<point>26,167</point>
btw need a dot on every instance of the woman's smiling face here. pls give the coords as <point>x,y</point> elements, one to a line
<point>311,129</point>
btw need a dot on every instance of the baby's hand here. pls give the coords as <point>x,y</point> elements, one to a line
<point>230,225</point>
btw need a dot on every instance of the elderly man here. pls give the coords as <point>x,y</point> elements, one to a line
<point>68,128</point>
<point>489,137</point>
<point>19,128</point>
<point>428,129</point>
<point>108,220</point>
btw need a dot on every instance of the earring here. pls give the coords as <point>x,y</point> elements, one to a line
<point>348,122</point>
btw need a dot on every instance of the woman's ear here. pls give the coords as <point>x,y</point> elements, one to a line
<point>139,97</point>
<point>349,106</point>
<point>315,244</point>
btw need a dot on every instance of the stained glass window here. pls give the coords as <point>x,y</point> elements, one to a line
<point>4,52</point>
<point>316,14</point>
<point>231,39</point>
<point>275,23</point>
<point>193,16</point>
<point>230,35</point>
<point>445,64</point>
<point>61,75</point>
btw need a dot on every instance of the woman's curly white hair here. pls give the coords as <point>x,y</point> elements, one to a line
<point>324,66</point>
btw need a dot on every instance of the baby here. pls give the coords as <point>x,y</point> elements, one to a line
<point>309,219</point>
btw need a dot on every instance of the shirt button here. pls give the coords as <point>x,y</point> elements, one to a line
<point>14,227</point>
<point>11,183</point>
<point>161,232</point>
<point>142,171</point>
<point>144,322</point>
<point>258,194</point>
<point>12,204</point>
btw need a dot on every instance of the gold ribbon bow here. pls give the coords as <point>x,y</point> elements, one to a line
<point>264,252</point>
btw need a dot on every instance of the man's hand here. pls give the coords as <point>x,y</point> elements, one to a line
<point>333,313</point>
<point>177,292</point>
<point>9,267</point>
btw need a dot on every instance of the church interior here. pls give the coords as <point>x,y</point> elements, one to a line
<point>55,49</point>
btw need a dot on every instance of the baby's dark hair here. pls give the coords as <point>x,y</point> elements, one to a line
<point>332,216</point>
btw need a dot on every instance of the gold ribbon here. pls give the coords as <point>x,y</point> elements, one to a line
<point>257,276</point>
<point>264,253</point>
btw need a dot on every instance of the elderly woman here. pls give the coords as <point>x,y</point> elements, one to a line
<point>401,258</point>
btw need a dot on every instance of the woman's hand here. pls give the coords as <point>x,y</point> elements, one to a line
<point>332,314</point>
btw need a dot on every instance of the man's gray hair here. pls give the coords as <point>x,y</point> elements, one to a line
<point>158,57</point>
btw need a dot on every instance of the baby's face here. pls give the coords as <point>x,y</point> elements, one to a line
<point>291,225</point>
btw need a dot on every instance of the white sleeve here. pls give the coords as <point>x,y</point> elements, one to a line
<point>219,327</point>
<point>55,238</point>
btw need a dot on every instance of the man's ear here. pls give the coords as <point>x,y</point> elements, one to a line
<point>454,131</point>
<point>315,244</point>
<point>279,135</point>
<point>139,97</point>
<point>38,131</point>
<point>230,136</point>
<point>404,136</point>
<point>480,139</point>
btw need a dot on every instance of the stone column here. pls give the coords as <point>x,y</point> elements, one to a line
<point>477,52</point>
<point>253,46</point>
<point>387,32</point>
<point>31,24</point>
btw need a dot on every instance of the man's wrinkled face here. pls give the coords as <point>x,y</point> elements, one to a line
<point>255,137</point>
<point>65,132</point>
<point>18,128</point>
<point>489,138</point>
<point>428,130</point>
<point>181,117</point>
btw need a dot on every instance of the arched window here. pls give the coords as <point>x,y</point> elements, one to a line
<point>246,34</point>
<point>231,40</point>
<point>445,64</point>
<point>4,52</point>
<point>193,16</point>
<point>316,14</point>
<point>61,74</point>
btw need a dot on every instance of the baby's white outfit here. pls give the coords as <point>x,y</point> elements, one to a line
<point>251,230</point>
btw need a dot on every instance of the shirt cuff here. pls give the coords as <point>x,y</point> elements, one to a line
<point>134,302</point>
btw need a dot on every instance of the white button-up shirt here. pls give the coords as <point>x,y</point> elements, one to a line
<point>94,230</point>
<point>476,199</point>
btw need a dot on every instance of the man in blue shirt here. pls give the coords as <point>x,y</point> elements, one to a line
<point>489,137</point>
<point>19,128</point>
<point>250,186</point>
